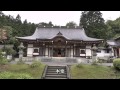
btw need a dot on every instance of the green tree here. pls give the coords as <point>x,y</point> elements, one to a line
<point>71,24</point>
<point>94,24</point>
<point>18,18</point>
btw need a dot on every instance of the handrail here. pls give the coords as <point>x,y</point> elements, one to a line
<point>68,72</point>
<point>44,72</point>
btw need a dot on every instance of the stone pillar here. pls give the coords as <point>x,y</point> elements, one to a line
<point>21,47</point>
<point>94,54</point>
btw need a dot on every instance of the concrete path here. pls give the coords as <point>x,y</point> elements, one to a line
<point>64,64</point>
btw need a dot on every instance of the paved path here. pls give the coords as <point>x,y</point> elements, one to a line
<point>61,63</point>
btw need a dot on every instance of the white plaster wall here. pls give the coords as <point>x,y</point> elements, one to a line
<point>46,52</point>
<point>88,47</point>
<point>82,54</point>
<point>29,51</point>
<point>88,52</point>
<point>30,45</point>
<point>71,52</point>
<point>103,54</point>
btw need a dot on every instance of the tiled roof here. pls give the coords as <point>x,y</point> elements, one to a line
<point>70,34</point>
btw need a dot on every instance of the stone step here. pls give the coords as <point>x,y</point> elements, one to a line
<point>56,66</point>
<point>53,72</point>
<point>55,69</point>
<point>56,76</point>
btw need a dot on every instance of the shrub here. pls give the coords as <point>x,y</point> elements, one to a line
<point>9,51</point>
<point>116,64</point>
<point>79,65</point>
<point>35,64</point>
<point>3,60</point>
<point>23,76</point>
<point>10,75</point>
<point>20,62</point>
<point>94,63</point>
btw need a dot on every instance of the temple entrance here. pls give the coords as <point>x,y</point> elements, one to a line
<point>58,52</point>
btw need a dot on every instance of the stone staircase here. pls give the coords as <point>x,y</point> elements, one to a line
<point>56,72</point>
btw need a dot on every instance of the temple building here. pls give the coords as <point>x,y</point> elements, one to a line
<point>114,46</point>
<point>59,42</point>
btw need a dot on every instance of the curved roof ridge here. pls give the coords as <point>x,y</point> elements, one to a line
<point>70,34</point>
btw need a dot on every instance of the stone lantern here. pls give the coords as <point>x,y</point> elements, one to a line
<point>21,47</point>
<point>94,54</point>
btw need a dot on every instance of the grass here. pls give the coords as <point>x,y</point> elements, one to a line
<point>93,72</point>
<point>35,72</point>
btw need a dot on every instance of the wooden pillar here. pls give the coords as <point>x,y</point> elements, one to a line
<point>66,49</point>
<point>42,49</point>
<point>73,50</point>
<point>70,50</point>
<point>48,49</point>
<point>52,48</point>
<point>119,52</point>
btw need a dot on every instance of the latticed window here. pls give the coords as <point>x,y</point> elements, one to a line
<point>82,51</point>
<point>36,50</point>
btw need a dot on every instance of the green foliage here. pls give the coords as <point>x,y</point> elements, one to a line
<point>94,63</point>
<point>116,63</point>
<point>20,62</point>
<point>93,72</point>
<point>71,24</point>
<point>79,66</point>
<point>45,24</point>
<point>15,27</point>
<point>10,75</point>
<point>35,64</point>
<point>3,60</point>
<point>93,23</point>
<point>9,51</point>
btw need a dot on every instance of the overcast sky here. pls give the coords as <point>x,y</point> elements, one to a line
<point>57,17</point>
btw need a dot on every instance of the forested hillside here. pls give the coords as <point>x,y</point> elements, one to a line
<point>92,21</point>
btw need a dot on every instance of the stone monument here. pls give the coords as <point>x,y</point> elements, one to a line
<point>94,54</point>
<point>21,47</point>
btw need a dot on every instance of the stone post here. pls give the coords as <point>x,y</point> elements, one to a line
<point>21,47</point>
<point>94,54</point>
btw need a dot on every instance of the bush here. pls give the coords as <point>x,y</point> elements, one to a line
<point>20,62</point>
<point>116,64</point>
<point>10,75</point>
<point>9,51</point>
<point>3,60</point>
<point>23,76</point>
<point>35,64</point>
<point>94,63</point>
<point>79,65</point>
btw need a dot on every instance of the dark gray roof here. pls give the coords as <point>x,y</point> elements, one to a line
<point>113,43</point>
<point>49,33</point>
